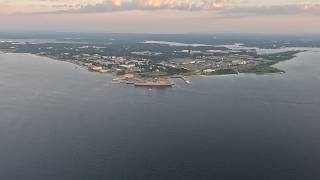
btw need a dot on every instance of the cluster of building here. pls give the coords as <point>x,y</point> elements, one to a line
<point>109,64</point>
<point>138,66</point>
<point>209,64</point>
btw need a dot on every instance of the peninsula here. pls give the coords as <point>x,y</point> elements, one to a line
<point>153,63</point>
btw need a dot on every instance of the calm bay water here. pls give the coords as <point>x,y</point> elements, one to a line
<point>59,122</point>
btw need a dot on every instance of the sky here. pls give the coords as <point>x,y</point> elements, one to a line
<point>161,16</point>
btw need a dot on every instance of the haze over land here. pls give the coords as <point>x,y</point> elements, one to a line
<point>161,16</point>
<point>159,89</point>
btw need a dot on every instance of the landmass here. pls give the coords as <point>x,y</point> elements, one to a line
<point>153,62</point>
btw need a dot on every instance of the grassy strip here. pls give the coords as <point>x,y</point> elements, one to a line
<point>223,72</point>
<point>278,57</point>
<point>274,59</point>
<point>262,69</point>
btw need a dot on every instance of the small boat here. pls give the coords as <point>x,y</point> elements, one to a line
<point>130,82</point>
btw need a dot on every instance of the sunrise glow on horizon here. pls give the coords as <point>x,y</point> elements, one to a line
<point>161,16</point>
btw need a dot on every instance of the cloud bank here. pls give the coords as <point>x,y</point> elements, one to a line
<point>221,7</point>
<point>161,16</point>
<point>127,5</point>
<point>290,9</point>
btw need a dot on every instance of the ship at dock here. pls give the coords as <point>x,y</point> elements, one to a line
<point>155,83</point>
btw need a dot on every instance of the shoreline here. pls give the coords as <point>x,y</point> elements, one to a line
<point>140,77</point>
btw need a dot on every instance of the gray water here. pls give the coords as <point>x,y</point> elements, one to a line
<point>59,122</point>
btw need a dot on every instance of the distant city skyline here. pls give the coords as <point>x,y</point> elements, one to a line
<point>161,16</point>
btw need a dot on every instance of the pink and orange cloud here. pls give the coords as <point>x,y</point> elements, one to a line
<point>161,16</point>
